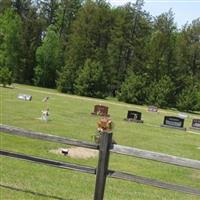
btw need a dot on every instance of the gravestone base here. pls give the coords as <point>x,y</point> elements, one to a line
<point>133,120</point>
<point>167,126</point>
<point>194,128</point>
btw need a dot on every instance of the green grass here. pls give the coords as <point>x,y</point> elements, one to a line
<point>70,117</point>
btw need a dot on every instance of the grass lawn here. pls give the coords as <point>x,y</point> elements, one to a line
<point>70,117</point>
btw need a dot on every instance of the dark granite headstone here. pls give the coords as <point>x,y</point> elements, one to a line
<point>173,122</point>
<point>100,110</point>
<point>196,124</point>
<point>152,109</point>
<point>25,97</point>
<point>134,116</point>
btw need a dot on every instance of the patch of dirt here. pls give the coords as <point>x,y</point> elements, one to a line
<point>195,175</point>
<point>77,152</point>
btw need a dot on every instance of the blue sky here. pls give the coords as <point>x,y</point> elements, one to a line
<point>184,10</point>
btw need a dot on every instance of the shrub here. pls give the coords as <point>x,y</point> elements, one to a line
<point>66,80</point>
<point>159,93</point>
<point>133,89</point>
<point>91,80</point>
<point>189,99</point>
<point>5,76</point>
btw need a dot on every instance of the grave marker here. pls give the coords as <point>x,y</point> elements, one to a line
<point>100,110</point>
<point>152,109</point>
<point>45,99</point>
<point>45,115</point>
<point>173,122</point>
<point>195,124</point>
<point>182,115</point>
<point>134,116</point>
<point>25,97</point>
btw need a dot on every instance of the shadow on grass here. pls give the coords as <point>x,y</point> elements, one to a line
<point>194,112</point>
<point>7,86</point>
<point>33,193</point>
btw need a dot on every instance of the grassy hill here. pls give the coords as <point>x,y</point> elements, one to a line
<point>70,117</point>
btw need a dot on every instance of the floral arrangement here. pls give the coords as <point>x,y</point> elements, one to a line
<point>104,124</point>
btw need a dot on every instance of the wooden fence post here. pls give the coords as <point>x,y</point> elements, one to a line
<point>102,169</point>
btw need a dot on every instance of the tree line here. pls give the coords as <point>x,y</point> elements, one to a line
<point>90,48</point>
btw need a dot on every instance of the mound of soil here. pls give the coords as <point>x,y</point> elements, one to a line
<point>77,152</point>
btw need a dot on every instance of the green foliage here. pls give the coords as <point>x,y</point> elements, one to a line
<point>133,89</point>
<point>91,80</point>
<point>160,93</point>
<point>5,76</point>
<point>188,59</point>
<point>66,79</point>
<point>129,37</point>
<point>162,54</point>
<point>5,4</point>
<point>90,35</point>
<point>10,38</point>
<point>65,15</point>
<point>189,99</point>
<point>48,59</point>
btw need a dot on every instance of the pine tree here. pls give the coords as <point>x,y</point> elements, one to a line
<point>48,59</point>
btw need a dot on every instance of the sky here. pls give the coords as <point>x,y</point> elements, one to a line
<point>184,10</point>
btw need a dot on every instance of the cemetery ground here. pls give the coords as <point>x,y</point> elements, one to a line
<point>70,117</point>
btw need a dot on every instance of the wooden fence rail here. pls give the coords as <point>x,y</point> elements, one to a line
<point>53,163</point>
<point>161,157</point>
<point>102,171</point>
<point>110,173</point>
<point>52,138</point>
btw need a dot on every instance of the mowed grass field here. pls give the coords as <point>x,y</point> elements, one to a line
<point>70,117</point>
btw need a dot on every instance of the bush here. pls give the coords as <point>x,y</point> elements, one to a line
<point>66,80</point>
<point>133,90</point>
<point>160,93</point>
<point>189,99</point>
<point>5,76</point>
<point>91,80</point>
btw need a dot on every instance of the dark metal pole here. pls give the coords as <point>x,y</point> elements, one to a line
<point>102,169</point>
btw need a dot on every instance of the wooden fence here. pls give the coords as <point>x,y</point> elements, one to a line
<point>102,171</point>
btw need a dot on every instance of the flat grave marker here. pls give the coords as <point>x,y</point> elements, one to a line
<point>134,116</point>
<point>183,115</point>
<point>173,122</point>
<point>153,109</point>
<point>100,110</point>
<point>195,124</point>
<point>24,97</point>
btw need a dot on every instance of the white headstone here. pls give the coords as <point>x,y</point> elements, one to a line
<point>182,115</point>
<point>25,97</point>
<point>45,115</point>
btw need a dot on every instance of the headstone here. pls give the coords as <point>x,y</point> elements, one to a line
<point>173,122</point>
<point>134,116</point>
<point>100,110</point>
<point>152,109</point>
<point>45,115</point>
<point>25,97</point>
<point>45,99</point>
<point>195,124</point>
<point>182,115</point>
